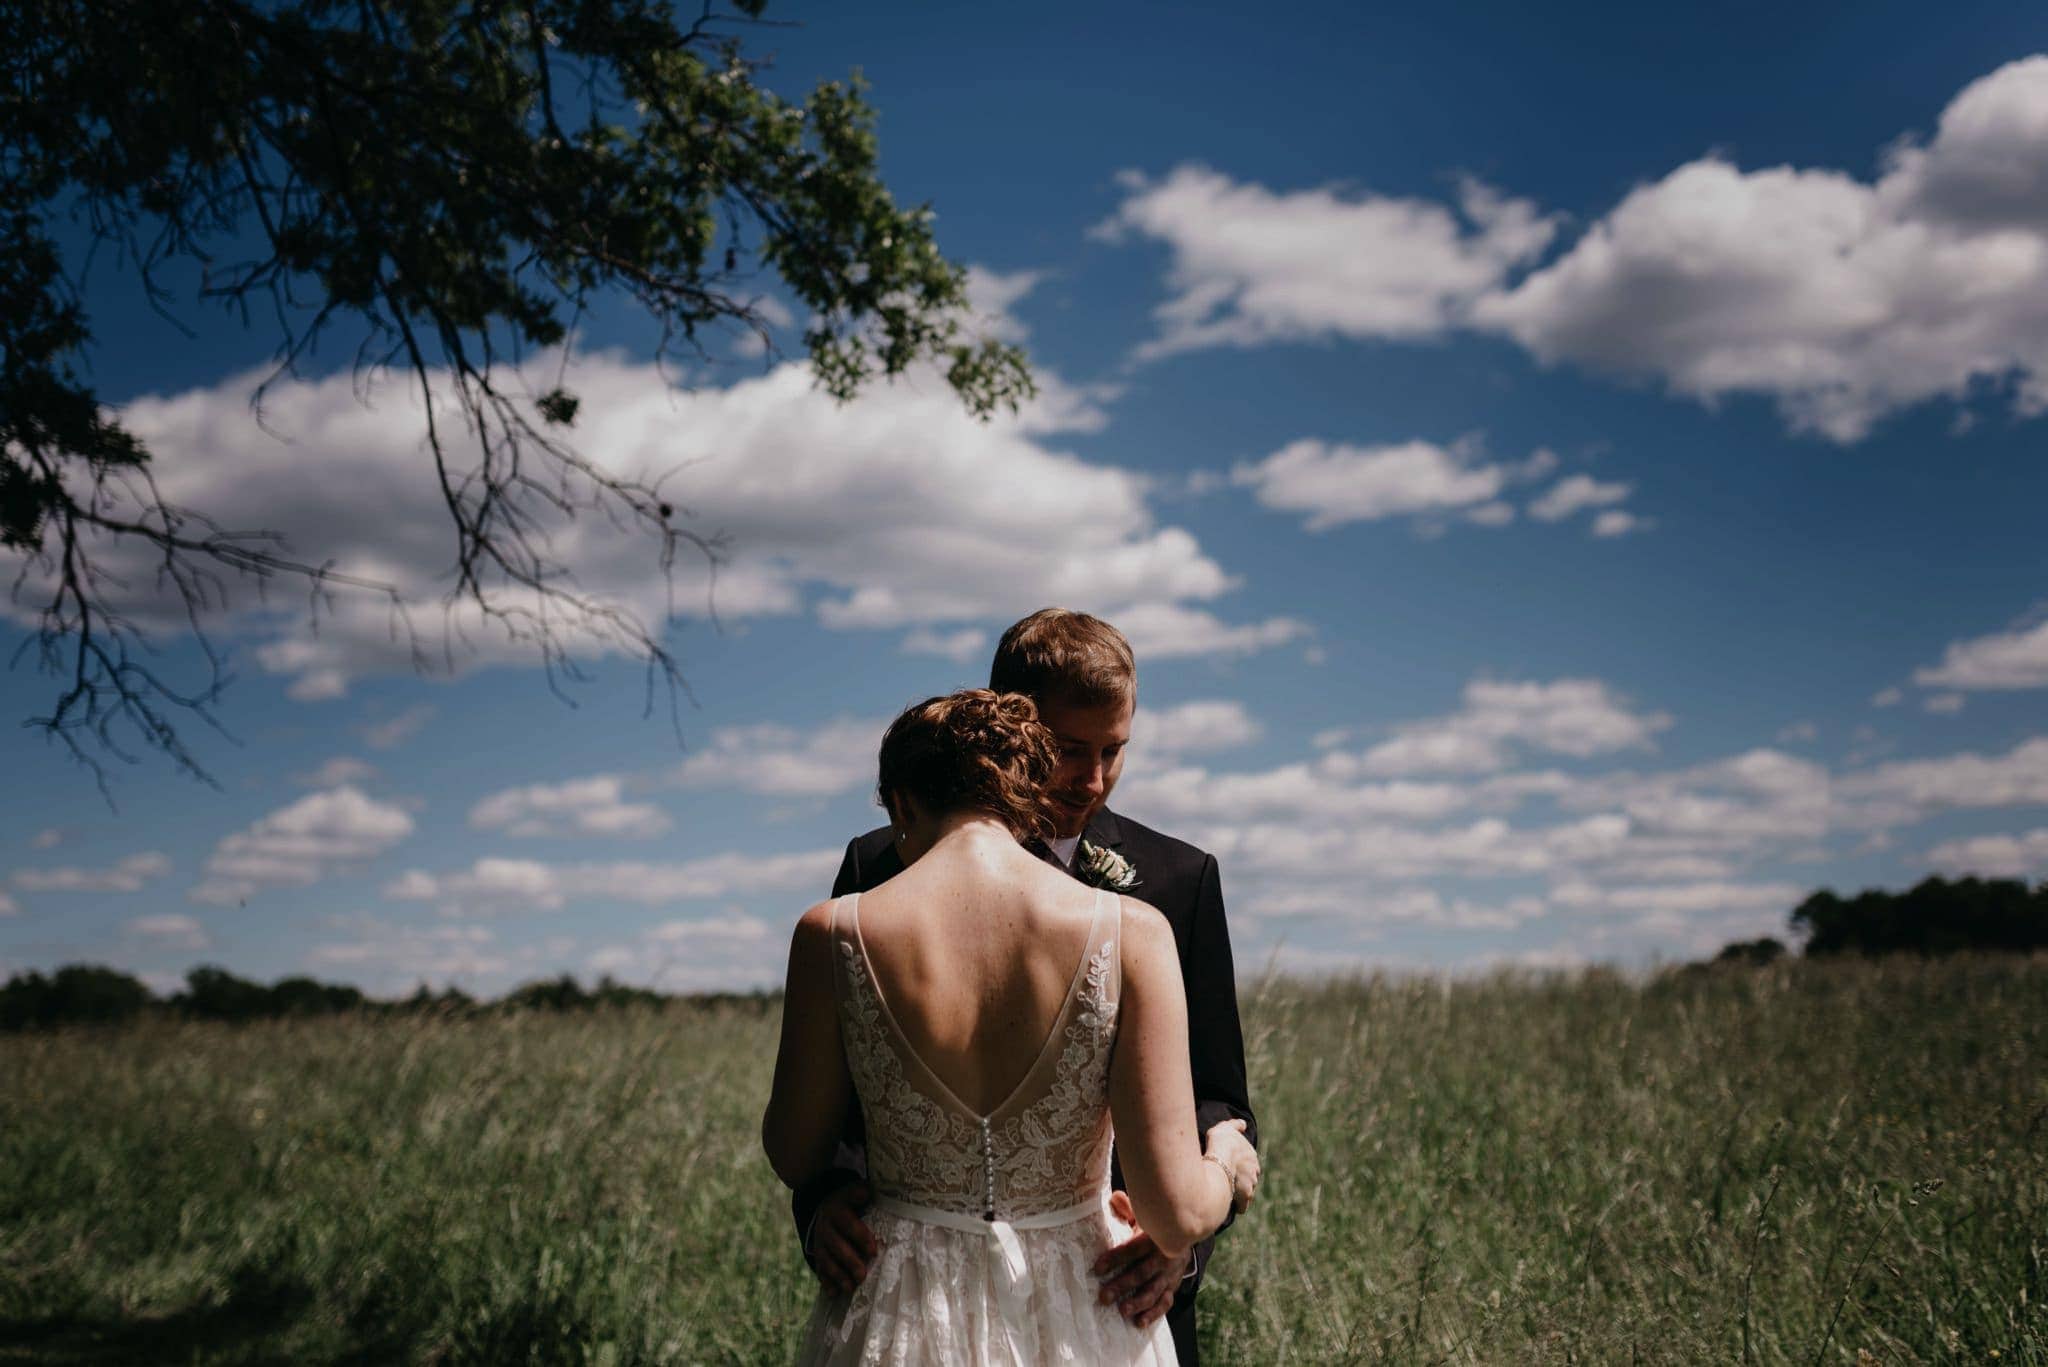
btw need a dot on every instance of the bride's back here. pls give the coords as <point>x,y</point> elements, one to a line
<point>974,950</point>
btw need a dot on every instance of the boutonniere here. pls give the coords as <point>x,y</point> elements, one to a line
<point>1105,868</point>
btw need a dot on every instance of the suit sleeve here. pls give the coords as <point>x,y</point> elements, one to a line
<point>848,878</point>
<point>1215,1038</point>
<point>804,1202</point>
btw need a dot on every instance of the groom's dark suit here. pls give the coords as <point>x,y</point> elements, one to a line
<point>1181,881</point>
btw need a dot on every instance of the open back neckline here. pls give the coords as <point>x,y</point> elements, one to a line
<point>1052,1034</point>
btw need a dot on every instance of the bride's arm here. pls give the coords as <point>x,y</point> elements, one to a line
<point>807,1105</point>
<point>1178,1197</point>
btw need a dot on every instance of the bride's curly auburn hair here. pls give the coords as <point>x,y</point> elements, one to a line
<point>975,750</point>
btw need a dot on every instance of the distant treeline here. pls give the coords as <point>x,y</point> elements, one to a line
<point>88,993</point>
<point>1938,916</point>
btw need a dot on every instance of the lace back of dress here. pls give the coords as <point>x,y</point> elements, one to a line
<point>1043,1149</point>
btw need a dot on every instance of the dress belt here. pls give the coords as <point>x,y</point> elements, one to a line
<point>1004,1232</point>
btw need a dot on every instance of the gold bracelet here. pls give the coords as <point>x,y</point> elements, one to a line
<point>1229,1173</point>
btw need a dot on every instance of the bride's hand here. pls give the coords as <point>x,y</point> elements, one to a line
<point>1227,1142</point>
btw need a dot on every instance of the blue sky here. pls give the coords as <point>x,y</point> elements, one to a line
<point>1574,485</point>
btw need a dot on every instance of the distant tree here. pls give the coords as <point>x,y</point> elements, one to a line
<point>306,997</point>
<point>76,993</point>
<point>550,994</point>
<point>213,993</point>
<point>613,993</point>
<point>83,993</point>
<point>453,1000</point>
<point>457,182</point>
<point>1759,952</point>
<point>450,1001</point>
<point>1936,916</point>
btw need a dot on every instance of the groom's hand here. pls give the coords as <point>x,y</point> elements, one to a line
<point>1136,1277</point>
<point>842,1245</point>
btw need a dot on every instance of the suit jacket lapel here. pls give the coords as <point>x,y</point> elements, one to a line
<point>1044,851</point>
<point>1103,829</point>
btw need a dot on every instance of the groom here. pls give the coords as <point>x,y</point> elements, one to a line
<point>1080,671</point>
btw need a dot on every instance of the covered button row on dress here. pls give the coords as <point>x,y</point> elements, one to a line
<point>988,1172</point>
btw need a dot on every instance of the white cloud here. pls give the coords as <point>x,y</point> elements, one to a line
<point>8,906</point>
<point>730,952</point>
<point>337,772</point>
<point>1681,899</point>
<point>1412,905</point>
<point>47,838</point>
<point>1321,789</point>
<point>1251,266</point>
<point>388,958</point>
<point>1944,704</point>
<point>509,885</point>
<point>1160,631</point>
<point>1494,514</point>
<point>1984,169</point>
<point>1797,732</point>
<point>395,731</point>
<point>1489,847</point>
<point>1641,861</point>
<point>131,874</point>
<point>1842,300</point>
<point>1337,484</point>
<point>709,929</point>
<point>2017,658</point>
<point>896,511</point>
<point>959,646</point>
<point>1887,697</point>
<point>1193,727</point>
<point>1619,522</point>
<point>1994,856</point>
<point>1575,493</point>
<point>1577,717</point>
<point>1437,749</point>
<point>782,761</point>
<point>300,844</point>
<point>584,806</point>
<point>170,931</point>
<point>1759,795</point>
<point>1905,790</point>
<point>1638,865</point>
<point>990,296</point>
<point>490,883</point>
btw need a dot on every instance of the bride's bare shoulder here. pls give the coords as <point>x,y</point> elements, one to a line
<point>815,925</point>
<point>1145,928</point>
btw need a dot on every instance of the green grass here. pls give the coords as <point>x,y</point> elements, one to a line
<point>1814,1163</point>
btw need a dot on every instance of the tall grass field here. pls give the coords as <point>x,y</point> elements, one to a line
<point>1814,1162</point>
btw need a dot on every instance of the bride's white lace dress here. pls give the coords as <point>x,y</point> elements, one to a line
<point>989,1224</point>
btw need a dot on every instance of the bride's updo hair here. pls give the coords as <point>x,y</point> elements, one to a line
<point>975,750</point>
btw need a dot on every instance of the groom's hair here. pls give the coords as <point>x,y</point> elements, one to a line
<point>1063,657</point>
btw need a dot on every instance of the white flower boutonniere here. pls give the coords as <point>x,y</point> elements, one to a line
<point>1105,868</point>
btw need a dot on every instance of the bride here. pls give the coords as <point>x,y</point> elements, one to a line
<point>992,1017</point>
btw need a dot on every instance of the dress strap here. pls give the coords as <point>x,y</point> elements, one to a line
<point>1095,937</point>
<point>1115,940</point>
<point>840,944</point>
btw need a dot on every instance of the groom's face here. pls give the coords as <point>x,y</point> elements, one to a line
<point>1092,741</point>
